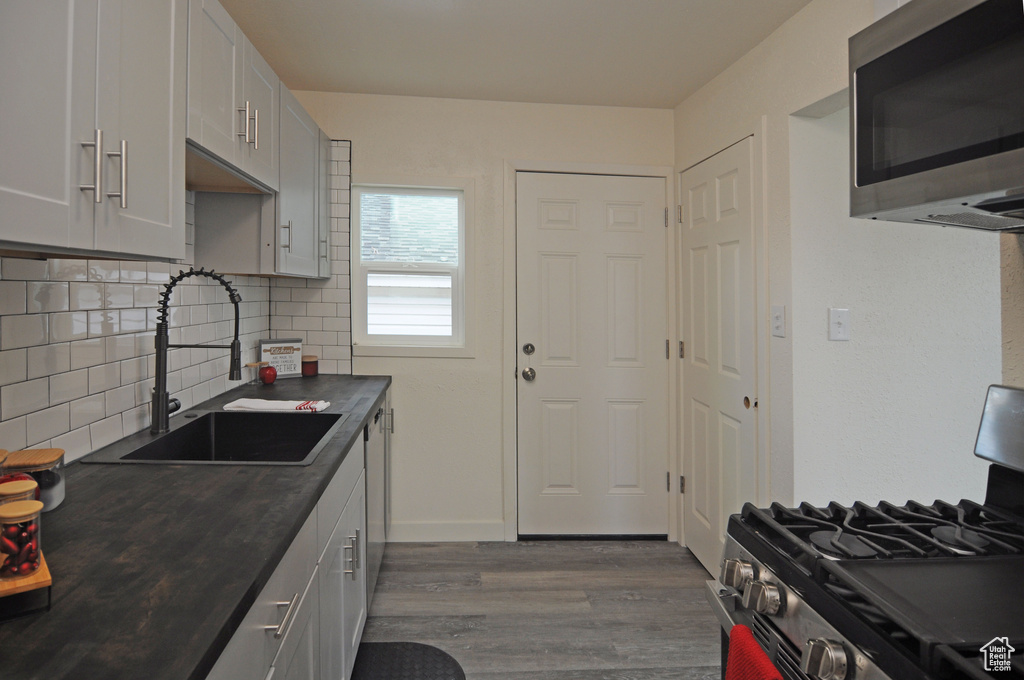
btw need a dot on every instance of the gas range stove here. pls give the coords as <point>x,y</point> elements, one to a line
<point>887,592</point>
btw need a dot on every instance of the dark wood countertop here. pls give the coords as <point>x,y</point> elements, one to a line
<point>154,566</point>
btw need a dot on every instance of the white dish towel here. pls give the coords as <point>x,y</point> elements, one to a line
<point>275,405</point>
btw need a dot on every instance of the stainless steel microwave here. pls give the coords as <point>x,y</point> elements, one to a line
<point>937,115</point>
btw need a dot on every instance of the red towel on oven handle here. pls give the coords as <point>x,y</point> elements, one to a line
<point>747,661</point>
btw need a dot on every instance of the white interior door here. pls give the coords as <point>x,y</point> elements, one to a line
<point>591,300</point>
<point>719,376</point>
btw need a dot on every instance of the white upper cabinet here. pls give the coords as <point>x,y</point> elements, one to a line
<point>74,74</point>
<point>232,95</point>
<point>298,240</point>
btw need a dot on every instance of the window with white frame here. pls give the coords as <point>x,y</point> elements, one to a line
<point>408,266</point>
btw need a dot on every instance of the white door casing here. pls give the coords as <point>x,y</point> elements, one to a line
<point>591,298</point>
<point>718,325</point>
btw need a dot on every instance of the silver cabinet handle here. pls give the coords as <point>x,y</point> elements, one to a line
<point>97,167</point>
<point>391,420</point>
<point>122,191</point>
<point>355,550</point>
<point>286,243</point>
<point>323,248</point>
<point>256,134</point>
<point>351,560</point>
<point>280,628</point>
<point>245,123</point>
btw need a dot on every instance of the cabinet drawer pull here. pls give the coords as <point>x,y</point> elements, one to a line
<point>280,628</point>
<point>245,123</point>
<point>97,167</point>
<point>256,133</point>
<point>122,192</point>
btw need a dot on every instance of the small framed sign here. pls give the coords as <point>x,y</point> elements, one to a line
<point>284,354</point>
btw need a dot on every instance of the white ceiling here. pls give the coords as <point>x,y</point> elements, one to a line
<point>644,53</point>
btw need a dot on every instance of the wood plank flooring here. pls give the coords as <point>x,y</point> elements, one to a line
<point>551,610</point>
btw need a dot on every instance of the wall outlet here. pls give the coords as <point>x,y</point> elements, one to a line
<point>838,324</point>
<point>779,321</point>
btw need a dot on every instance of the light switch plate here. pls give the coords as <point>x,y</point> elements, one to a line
<point>779,321</point>
<point>838,324</point>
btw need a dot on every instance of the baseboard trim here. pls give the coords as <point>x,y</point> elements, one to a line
<point>593,537</point>
<point>446,532</point>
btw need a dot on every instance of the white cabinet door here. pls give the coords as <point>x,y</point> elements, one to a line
<point>261,88</point>
<point>140,89</point>
<point>215,80</point>
<point>342,590</point>
<point>299,656</point>
<point>354,587</point>
<point>375,510</point>
<point>255,644</point>
<point>42,73</point>
<point>298,240</point>
<point>73,68</point>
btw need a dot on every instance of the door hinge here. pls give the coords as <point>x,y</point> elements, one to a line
<point>668,481</point>
<point>666,218</point>
<point>682,484</point>
<point>682,349</point>
<point>668,343</point>
<point>679,214</point>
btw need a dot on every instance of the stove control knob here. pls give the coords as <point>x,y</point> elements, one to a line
<point>824,659</point>
<point>737,574</point>
<point>762,597</point>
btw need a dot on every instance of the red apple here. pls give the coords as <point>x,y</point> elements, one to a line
<point>268,374</point>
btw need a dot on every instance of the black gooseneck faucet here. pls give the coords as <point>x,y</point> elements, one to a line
<point>163,405</point>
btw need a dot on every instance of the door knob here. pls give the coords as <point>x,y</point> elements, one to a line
<point>529,374</point>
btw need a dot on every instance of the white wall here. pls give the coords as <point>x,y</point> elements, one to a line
<point>893,413</point>
<point>803,63</point>
<point>452,415</point>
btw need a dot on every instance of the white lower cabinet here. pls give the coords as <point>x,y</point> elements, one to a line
<point>253,648</point>
<point>343,587</point>
<point>308,619</point>
<point>299,655</point>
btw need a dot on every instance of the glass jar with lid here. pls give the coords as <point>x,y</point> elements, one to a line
<point>20,538</point>
<point>46,466</point>
<point>19,490</point>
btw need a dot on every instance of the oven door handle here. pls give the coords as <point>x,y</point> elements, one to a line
<point>723,603</point>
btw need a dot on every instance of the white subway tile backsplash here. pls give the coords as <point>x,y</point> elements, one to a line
<point>88,410</point>
<point>85,295</point>
<point>46,360</point>
<point>46,296</point>
<point>136,419</point>
<point>120,347</point>
<point>48,423</point>
<point>23,330</point>
<point>22,398</point>
<point>13,434</point>
<point>67,270</point>
<point>118,295</point>
<point>104,270</point>
<point>147,295</point>
<point>69,386</point>
<point>104,377</point>
<point>18,269</point>
<point>120,399</point>
<point>133,272</point>
<point>104,322</point>
<point>76,444</point>
<point>106,431</point>
<point>86,353</point>
<point>13,368</point>
<point>68,326</point>
<point>12,298</point>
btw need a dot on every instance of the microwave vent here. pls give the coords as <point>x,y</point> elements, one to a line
<point>976,221</point>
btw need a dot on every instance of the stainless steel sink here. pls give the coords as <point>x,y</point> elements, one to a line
<point>236,438</point>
